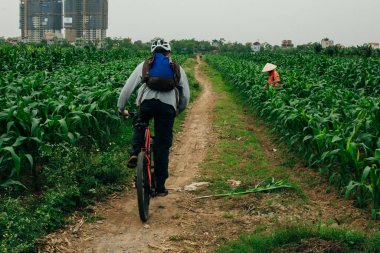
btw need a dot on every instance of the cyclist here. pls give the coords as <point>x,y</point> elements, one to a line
<point>154,101</point>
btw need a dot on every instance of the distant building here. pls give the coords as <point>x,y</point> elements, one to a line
<point>374,45</point>
<point>86,20</point>
<point>256,46</point>
<point>340,45</point>
<point>51,38</point>
<point>14,41</point>
<point>326,42</point>
<point>38,17</point>
<point>287,44</point>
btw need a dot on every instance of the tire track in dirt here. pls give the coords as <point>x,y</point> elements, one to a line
<point>121,230</point>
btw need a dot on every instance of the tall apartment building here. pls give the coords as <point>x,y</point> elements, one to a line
<point>39,18</point>
<point>85,19</point>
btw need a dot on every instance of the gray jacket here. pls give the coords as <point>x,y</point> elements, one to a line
<point>168,97</point>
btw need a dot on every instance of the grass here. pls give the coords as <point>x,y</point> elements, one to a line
<point>237,155</point>
<point>228,215</point>
<point>262,242</point>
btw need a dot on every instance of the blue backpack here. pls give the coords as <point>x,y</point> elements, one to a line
<point>161,73</point>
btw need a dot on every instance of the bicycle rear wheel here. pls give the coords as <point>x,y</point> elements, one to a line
<point>143,188</point>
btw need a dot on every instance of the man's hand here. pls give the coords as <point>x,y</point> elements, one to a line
<point>124,113</point>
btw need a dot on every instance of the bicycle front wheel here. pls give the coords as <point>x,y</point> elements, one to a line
<point>143,188</point>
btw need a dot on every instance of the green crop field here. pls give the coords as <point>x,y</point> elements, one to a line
<point>62,142</point>
<point>55,95</point>
<point>327,110</point>
<point>63,145</point>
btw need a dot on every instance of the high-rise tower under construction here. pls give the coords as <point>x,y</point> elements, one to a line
<point>85,19</point>
<point>38,18</point>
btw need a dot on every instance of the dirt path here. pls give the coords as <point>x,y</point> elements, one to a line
<point>121,229</point>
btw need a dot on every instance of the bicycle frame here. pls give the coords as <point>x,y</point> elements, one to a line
<point>147,153</point>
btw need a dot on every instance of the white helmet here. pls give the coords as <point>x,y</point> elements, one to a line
<point>160,43</point>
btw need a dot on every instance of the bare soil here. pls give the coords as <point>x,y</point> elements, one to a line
<point>178,223</point>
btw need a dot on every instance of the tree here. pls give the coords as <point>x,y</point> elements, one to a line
<point>190,46</point>
<point>317,47</point>
<point>365,50</point>
<point>307,47</point>
<point>235,47</point>
<point>108,43</point>
<point>267,47</point>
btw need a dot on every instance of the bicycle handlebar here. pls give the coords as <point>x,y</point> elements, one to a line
<point>136,123</point>
<point>132,115</point>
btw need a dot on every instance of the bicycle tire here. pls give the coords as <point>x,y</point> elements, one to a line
<point>143,188</point>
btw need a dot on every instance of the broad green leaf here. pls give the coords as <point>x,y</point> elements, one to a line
<point>330,153</point>
<point>350,187</point>
<point>35,127</point>
<point>19,141</point>
<point>336,139</point>
<point>10,124</point>
<point>16,160</point>
<point>71,137</point>
<point>11,183</point>
<point>30,159</point>
<point>307,137</point>
<point>365,174</point>
<point>64,127</point>
<point>4,139</point>
<point>47,121</point>
<point>38,140</point>
<point>377,153</point>
<point>348,144</point>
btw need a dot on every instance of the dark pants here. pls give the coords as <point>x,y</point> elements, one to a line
<point>163,115</point>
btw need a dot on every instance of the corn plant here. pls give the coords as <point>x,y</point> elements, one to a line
<point>327,109</point>
<point>71,104</point>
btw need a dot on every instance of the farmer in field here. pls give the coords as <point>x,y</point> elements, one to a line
<point>274,77</point>
<point>163,93</point>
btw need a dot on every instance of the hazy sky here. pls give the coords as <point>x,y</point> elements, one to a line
<point>350,22</point>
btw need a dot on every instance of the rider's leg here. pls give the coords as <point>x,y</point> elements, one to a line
<point>144,115</point>
<point>163,128</point>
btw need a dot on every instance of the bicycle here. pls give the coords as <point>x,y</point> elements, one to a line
<point>145,177</point>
